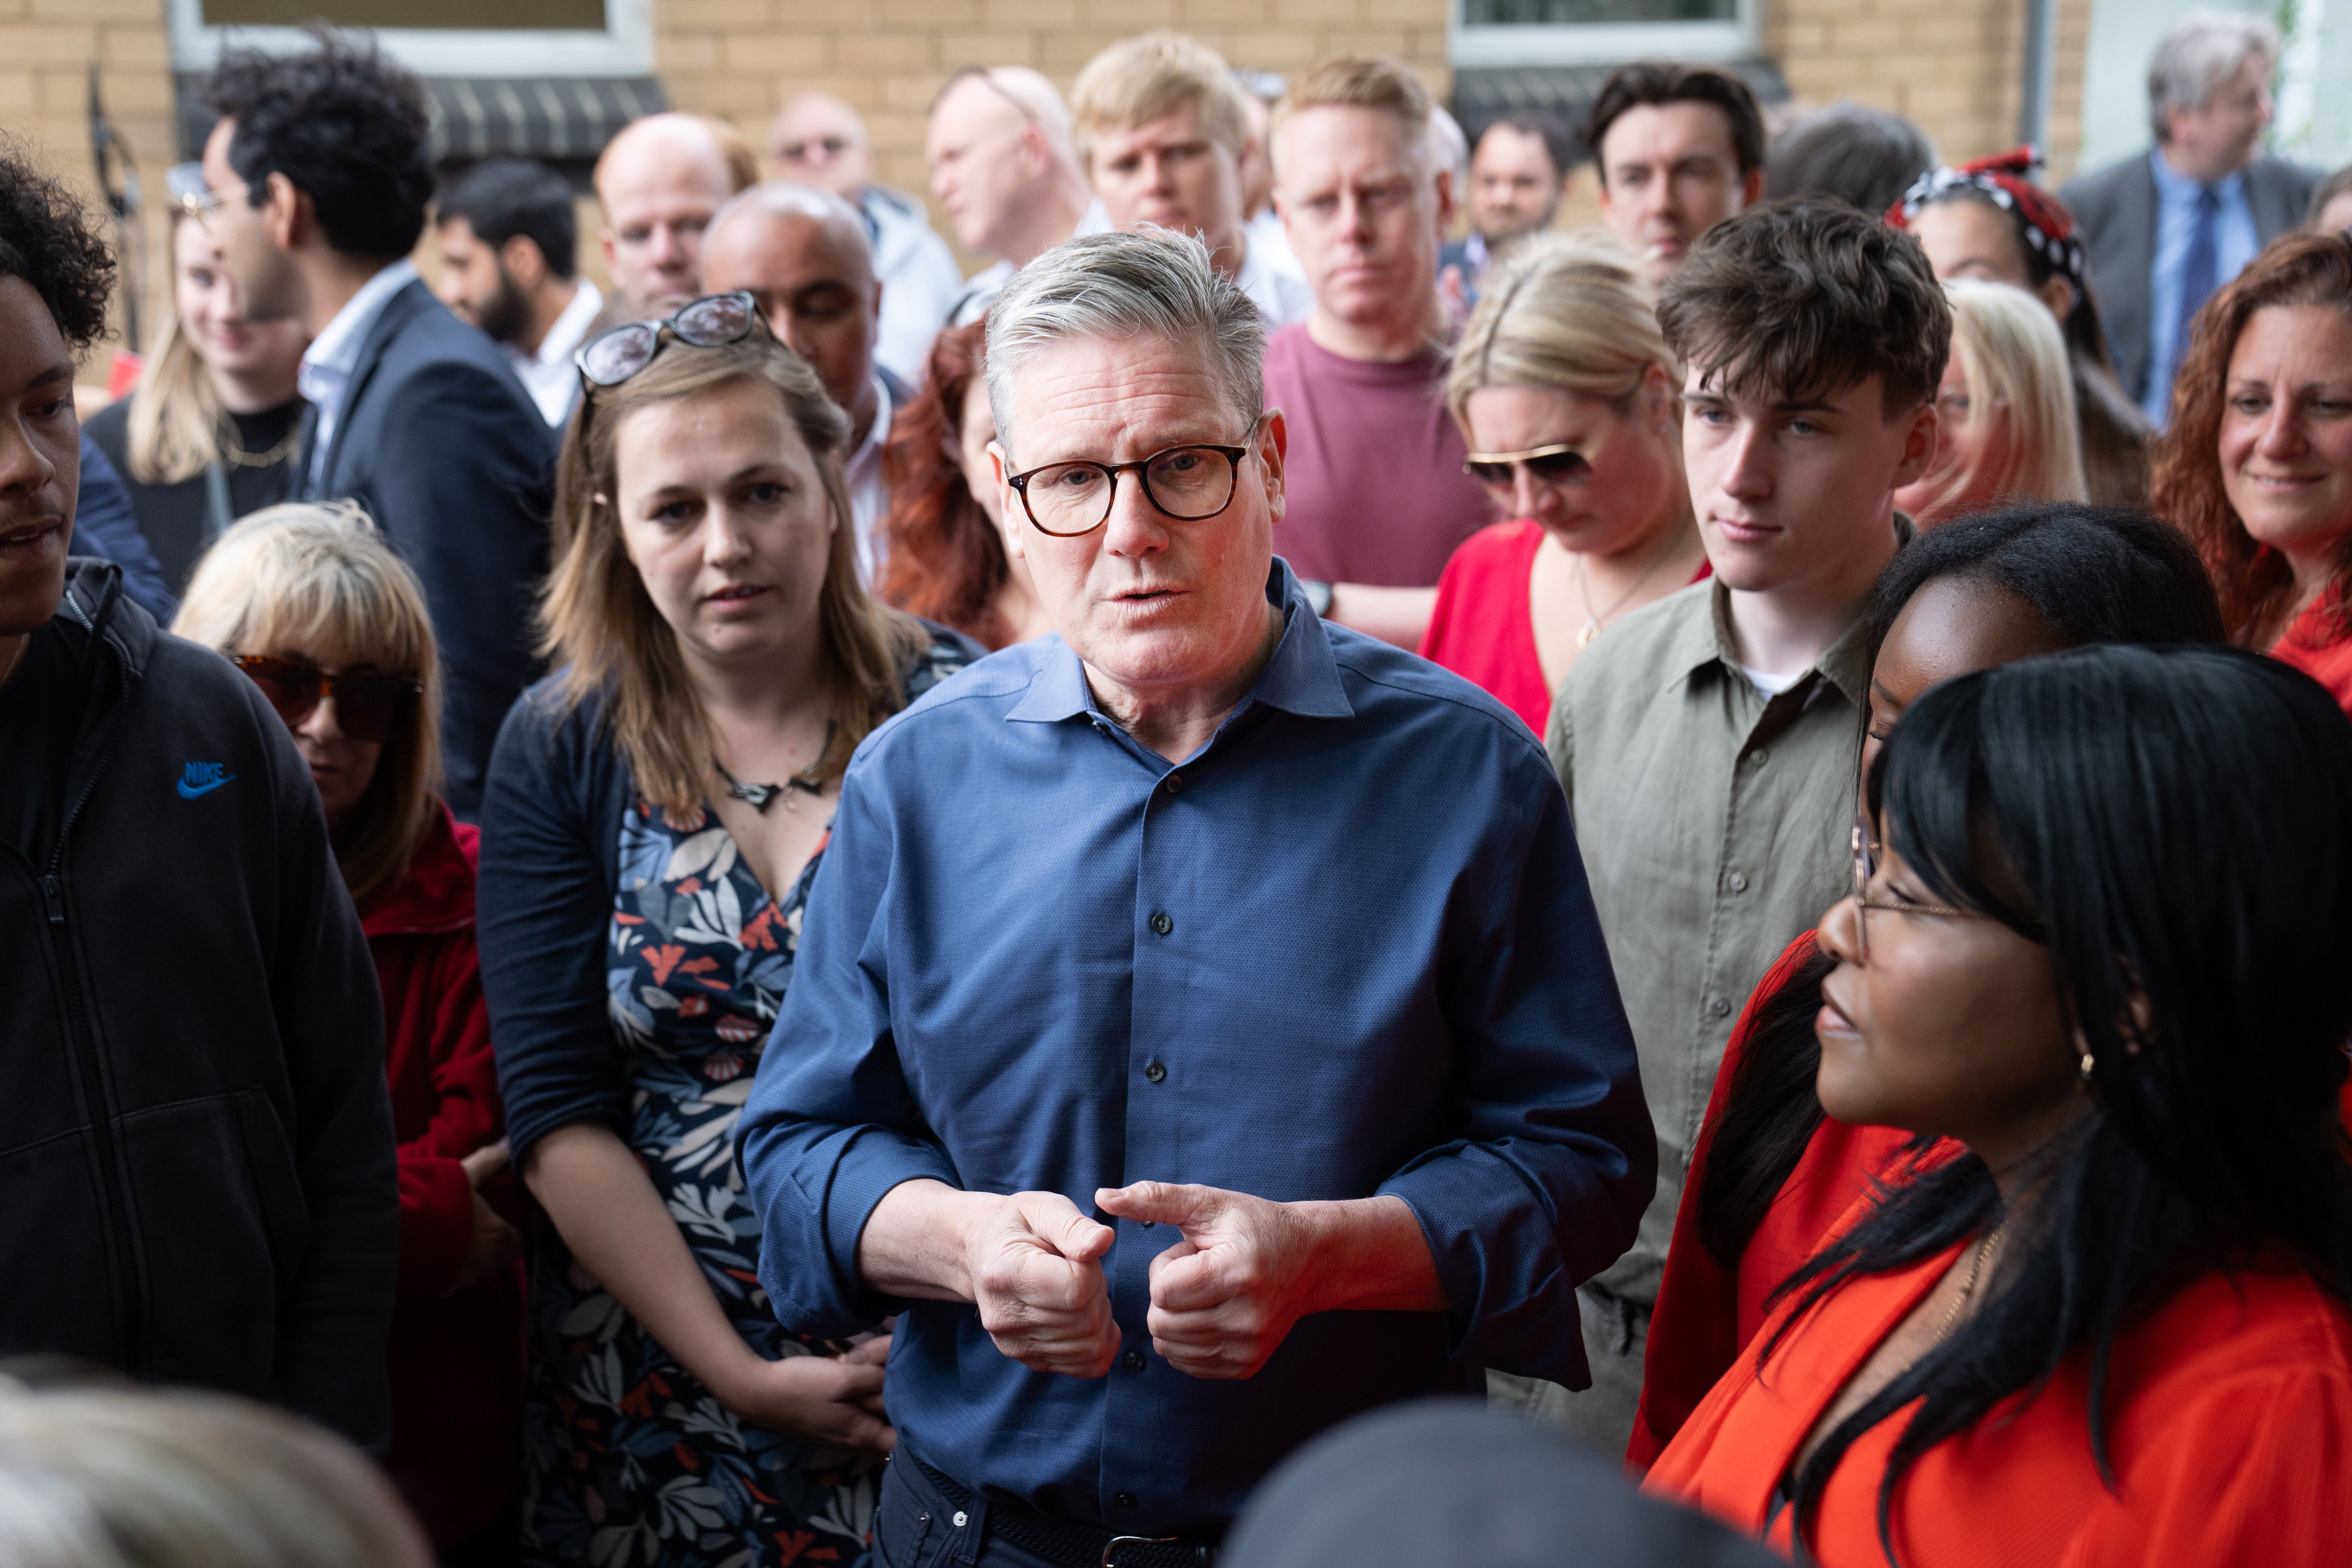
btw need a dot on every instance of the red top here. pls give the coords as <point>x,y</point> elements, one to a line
<point>455,1359</point>
<point>1705,1314</point>
<point>1483,627</point>
<point>2229,1428</point>
<point>2308,647</point>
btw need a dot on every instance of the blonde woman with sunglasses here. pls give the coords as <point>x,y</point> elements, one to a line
<point>1565,391</point>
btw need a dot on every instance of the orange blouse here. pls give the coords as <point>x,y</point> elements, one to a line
<point>2230,1436</point>
<point>2311,645</point>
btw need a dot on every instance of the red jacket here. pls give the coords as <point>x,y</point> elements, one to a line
<point>457,1359</point>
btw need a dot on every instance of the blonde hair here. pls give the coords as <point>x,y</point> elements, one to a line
<point>307,574</point>
<point>596,617</point>
<point>98,1477</point>
<point>174,428</point>
<point>1564,311</point>
<point>2011,352</point>
<point>1363,81</point>
<point>1136,80</point>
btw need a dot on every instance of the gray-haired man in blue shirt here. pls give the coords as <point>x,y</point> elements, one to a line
<point>1201,1031</point>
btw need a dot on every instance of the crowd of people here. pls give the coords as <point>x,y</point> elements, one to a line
<point>815,910</point>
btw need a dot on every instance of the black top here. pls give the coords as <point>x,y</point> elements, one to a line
<point>40,712</point>
<point>175,518</point>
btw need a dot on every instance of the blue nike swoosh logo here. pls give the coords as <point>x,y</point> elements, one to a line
<point>188,793</point>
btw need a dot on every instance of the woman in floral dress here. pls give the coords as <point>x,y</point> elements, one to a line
<point>655,816</point>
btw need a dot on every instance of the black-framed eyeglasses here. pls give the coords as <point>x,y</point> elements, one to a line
<point>1865,866</point>
<point>193,196</point>
<point>611,357</point>
<point>367,702</point>
<point>1548,465</point>
<point>1187,483</point>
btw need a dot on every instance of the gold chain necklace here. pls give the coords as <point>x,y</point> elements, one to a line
<point>234,454</point>
<point>1969,1290</point>
<point>1593,622</point>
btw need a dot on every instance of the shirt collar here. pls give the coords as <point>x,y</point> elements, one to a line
<point>564,337</point>
<point>1302,676</point>
<point>2180,188</point>
<point>1844,664</point>
<point>336,349</point>
<point>869,451</point>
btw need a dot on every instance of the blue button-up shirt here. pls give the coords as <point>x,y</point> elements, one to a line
<point>2236,243</point>
<point>1344,949</point>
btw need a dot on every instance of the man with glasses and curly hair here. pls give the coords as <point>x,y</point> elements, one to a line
<point>200,1178</point>
<point>1201,1031</point>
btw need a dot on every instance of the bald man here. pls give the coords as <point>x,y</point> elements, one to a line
<point>803,254</point>
<point>660,181</point>
<point>1003,167</point>
<point>819,140</point>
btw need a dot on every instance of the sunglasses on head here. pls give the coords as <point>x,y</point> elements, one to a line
<point>367,704</point>
<point>611,357</point>
<point>1548,465</point>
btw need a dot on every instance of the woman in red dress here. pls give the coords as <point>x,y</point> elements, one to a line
<point>1769,1173</point>
<point>2101,900</point>
<point>2257,465</point>
<point>1568,398</point>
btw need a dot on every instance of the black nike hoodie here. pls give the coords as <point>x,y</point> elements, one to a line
<point>196,1172</point>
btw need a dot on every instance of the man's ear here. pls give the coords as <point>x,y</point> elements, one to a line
<point>524,263</point>
<point>1918,445</point>
<point>1751,187</point>
<point>1009,506</point>
<point>288,214</point>
<point>1273,449</point>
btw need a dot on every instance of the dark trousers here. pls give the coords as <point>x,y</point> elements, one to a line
<point>914,1527</point>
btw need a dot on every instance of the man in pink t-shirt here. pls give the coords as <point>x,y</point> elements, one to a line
<point>1377,498</point>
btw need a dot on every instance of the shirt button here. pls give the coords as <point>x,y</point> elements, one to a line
<point>1124,1499</point>
<point>960,1519</point>
<point>1162,923</point>
<point>1175,784</point>
<point>1154,1071</point>
<point>1719,1008</point>
<point>1738,881</point>
<point>1132,1361</point>
<point>1755,758</point>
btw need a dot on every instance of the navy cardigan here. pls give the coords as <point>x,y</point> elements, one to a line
<point>549,871</point>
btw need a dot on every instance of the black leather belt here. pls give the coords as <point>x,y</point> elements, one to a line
<point>1065,1542</point>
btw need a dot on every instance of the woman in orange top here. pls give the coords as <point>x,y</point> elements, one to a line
<point>1769,1173</point>
<point>2102,903</point>
<point>2257,466</point>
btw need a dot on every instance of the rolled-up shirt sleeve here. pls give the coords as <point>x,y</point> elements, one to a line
<point>831,1126</point>
<point>1558,1160</point>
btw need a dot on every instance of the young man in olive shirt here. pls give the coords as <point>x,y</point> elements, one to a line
<point>1708,742</point>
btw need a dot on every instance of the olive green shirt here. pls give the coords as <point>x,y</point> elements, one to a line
<point>1715,826</point>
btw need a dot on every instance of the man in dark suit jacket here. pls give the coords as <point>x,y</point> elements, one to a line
<point>2209,103</point>
<point>319,174</point>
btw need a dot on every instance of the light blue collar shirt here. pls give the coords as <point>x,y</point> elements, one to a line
<point>325,373</point>
<point>2176,222</point>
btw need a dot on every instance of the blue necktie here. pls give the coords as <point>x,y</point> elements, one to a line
<point>2201,269</point>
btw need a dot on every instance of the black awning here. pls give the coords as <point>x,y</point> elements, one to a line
<point>557,119</point>
<point>1481,97</point>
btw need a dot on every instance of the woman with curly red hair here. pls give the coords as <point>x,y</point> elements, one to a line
<point>947,558</point>
<point>2257,466</point>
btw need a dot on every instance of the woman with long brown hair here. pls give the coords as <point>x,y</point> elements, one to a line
<point>948,561</point>
<point>654,819</point>
<point>2257,465</point>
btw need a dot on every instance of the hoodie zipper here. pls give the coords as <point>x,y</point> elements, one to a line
<point>93,1078</point>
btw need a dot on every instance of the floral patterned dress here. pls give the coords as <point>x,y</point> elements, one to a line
<point>629,1461</point>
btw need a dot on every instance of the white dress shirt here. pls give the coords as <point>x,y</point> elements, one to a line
<point>1279,292</point>
<point>325,373</point>
<point>870,498</point>
<point>549,375</point>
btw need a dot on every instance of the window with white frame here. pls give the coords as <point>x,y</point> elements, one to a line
<point>486,38</point>
<point>1491,33</point>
